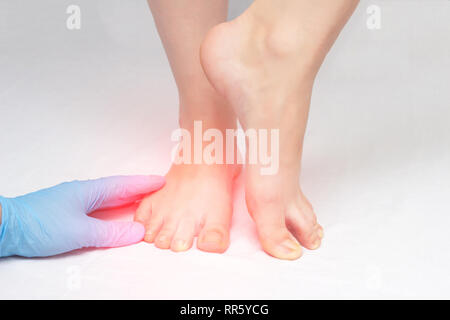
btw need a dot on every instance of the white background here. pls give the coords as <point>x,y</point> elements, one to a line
<point>101,101</point>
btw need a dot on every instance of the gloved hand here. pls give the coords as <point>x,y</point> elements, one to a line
<point>55,220</point>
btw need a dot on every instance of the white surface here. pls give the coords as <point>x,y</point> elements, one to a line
<point>101,101</point>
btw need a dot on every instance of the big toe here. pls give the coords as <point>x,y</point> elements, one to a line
<point>274,236</point>
<point>215,234</point>
<point>213,239</point>
<point>303,225</point>
<point>279,243</point>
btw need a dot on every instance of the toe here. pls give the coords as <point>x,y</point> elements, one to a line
<point>320,232</point>
<point>215,237</point>
<point>144,211</point>
<point>153,227</point>
<point>303,225</point>
<point>184,236</point>
<point>164,238</point>
<point>274,236</point>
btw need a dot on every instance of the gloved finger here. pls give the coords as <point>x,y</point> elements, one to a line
<point>110,234</point>
<point>117,191</point>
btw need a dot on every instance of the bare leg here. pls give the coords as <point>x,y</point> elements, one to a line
<point>264,63</point>
<point>197,198</point>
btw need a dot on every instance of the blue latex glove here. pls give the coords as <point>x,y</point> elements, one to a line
<point>55,220</point>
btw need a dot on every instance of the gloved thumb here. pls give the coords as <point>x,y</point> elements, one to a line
<point>116,191</point>
<point>110,234</point>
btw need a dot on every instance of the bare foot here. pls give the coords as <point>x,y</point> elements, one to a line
<point>196,201</point>
<point>266,73</point>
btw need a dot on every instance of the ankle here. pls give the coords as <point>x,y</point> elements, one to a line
<point>286,39</point>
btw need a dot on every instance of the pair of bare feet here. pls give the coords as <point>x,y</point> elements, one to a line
<point>261,70</point>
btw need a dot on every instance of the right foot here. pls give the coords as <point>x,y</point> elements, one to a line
<point>267,77</point>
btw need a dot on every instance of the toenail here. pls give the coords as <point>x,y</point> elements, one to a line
<point>148,236</point>
<point>180,245</point>
<point>316,245</point>
<point>320,233</point>
<point>213,237</point>
<point>162,239</point>
<point>290,246</point>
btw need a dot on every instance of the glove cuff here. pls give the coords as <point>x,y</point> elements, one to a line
<point>8,235</point>
<point>4,224</point>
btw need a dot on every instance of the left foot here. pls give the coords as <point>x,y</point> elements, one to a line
<point>196,201</point>
<point>268,80</point>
